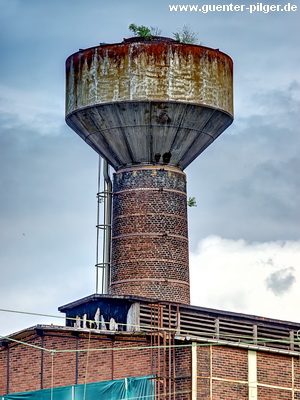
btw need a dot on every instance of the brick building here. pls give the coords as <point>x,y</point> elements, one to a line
<point>209,354</point>
<point>149,108</point>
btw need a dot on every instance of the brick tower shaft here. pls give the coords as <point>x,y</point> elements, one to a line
<point>149,234</point>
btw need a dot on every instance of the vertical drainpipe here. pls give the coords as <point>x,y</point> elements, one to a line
<point>107,222</point>
<point>194,371</point>
<point>77,360</point>
<point>293,379</point>
<point>210,374</point>
<point>252,374</point>
<point>126,387</point>
<point>42,365</point>
<point>7,370</point>
<point>112,359</point>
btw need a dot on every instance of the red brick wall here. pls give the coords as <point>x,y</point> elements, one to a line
<point>229,391</point>
<point>265,393</point>
<point>183,362</point>
<point>135,362</point>
<point>24,366</point>
<point>31,369</point>
<point>203,372</point>
<point>277,370</point>
<point>3,367</point>
<point>229,374</point>
<point>274,369</point>
<point>221,370</point>
<point>297,374</point>
<point>64,364</point>
<point>118,357</point>
<point>149,234</point>
<point>231,363</point>
<point>225,369</point>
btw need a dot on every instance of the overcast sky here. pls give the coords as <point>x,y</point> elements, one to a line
<point>244,233</point>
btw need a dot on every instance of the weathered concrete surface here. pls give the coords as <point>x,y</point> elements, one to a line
<point>135,101</point>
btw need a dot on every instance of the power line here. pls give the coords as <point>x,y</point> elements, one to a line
<point>32,313</point>
<point>245,339</point>
<point>208,343</point>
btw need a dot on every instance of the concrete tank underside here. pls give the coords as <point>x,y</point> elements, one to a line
<point>131,133</point>
<point>156,102</point>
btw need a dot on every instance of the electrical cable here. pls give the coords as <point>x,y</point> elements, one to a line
<point>242,339</point>
<point>53,352</point>
<point>26,344</point>
<point>32,313</point>
<point>208,343</point>
<point>88,350</point>
<point>199,333</point>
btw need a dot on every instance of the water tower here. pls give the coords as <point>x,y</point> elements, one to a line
<point>149,108</point>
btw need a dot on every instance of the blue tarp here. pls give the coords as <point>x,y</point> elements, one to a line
<point>141,388</point>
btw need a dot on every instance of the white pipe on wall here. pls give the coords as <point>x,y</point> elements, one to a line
<point>194,371</point>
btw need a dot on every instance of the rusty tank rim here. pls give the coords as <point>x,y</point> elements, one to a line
<point>154,40</point>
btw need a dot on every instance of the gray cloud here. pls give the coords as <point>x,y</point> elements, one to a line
<point>247,183</point>
<point>47,217</point>
<point>281,281</point>
<point>269,261</point>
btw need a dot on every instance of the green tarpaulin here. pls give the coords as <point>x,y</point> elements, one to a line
<point>141,388</point>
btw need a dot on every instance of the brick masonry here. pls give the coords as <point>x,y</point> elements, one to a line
<point>24,368</point>
<point>223,374</point>
<point>273,370</point>
<point>149,234</point>
<point>222,371</point>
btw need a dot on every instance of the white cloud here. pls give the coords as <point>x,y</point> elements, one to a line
<point>254,278</point>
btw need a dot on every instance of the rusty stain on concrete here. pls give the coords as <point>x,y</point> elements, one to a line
<point>154,102</point>
<point>152,71</point>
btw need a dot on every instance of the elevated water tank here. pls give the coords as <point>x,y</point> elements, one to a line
<point>155,102</point>
<point>149,108</point>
